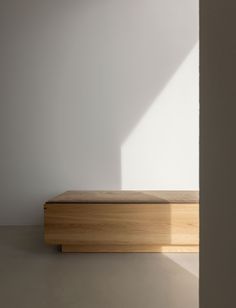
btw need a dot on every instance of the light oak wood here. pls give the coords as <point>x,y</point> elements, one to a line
<point>127,196</point>
<point>129,248</point>
<point>123,227</point>
<point>162,224</point>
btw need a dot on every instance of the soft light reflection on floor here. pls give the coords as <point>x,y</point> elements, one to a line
<point>188,261</point>
<point>36,275</point>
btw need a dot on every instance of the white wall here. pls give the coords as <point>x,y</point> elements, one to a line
<point>162,151</point>
<point>96,95</point>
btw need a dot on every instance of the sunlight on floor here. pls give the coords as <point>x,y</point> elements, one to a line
<point>187,261</point>
<point>162,150</point>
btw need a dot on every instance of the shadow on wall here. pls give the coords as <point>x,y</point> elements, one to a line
<point>78,76</point>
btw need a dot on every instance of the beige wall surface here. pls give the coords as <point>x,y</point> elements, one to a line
<point>95,95</point>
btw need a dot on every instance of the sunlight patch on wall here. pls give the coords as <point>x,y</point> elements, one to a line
<point>162,151</point>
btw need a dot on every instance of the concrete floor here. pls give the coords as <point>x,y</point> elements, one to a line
<point>33,275</point>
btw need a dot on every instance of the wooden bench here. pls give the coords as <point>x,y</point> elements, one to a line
<point>123,221</point>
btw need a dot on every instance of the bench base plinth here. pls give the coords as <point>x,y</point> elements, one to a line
<point>129,248</point>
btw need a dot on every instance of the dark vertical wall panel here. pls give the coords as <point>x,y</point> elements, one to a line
<point>218,153</point>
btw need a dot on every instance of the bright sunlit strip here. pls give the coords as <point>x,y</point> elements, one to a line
<point>188,261</point>
<point>162,150</point>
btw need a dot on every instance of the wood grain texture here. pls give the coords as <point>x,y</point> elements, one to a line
<point>122,224</point>
<point>127,196</point>
<point>129,248</point>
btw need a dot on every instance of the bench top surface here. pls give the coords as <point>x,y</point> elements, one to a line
<point>127,196</point>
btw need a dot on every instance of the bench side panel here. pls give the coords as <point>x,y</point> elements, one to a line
<point>122,224</point>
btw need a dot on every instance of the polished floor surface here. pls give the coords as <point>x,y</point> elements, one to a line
<point>33,275</point>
